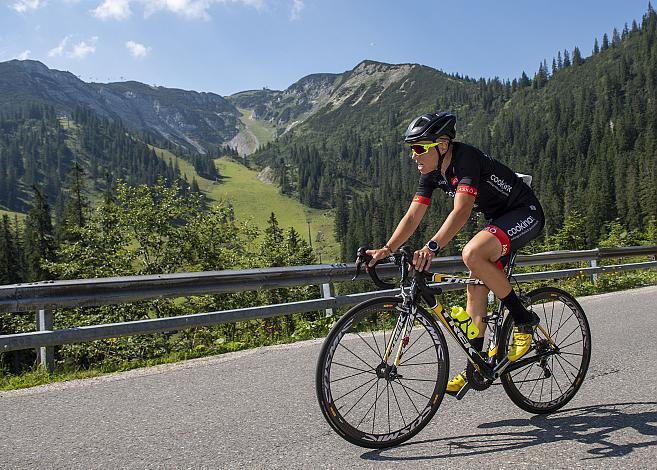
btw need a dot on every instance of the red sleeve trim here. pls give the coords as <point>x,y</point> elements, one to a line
<point>464,188</point>
<point>422,199</point>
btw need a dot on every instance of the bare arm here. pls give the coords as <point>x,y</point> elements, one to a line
<point>463,204</point>
<point>405,228</point>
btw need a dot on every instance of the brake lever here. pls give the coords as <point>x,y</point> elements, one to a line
<point>361,257</point>
<point>359,263</point>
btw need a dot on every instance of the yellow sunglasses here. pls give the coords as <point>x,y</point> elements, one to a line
<point>421,149</point>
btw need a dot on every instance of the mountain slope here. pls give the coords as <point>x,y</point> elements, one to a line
<point>196,121</point>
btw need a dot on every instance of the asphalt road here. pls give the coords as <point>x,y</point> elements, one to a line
<point>257,409</point>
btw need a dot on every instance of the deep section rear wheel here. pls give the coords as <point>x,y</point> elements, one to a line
<point>547,384</point>
<point>367,400</point>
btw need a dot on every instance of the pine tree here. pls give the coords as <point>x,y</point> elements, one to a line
<point>596,48</point>
<point>76,205</point>
<point>577,57</point>
<point>605,42</point>
<point>39,244</point>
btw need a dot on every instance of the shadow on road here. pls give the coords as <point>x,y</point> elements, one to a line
<point>598,426</point>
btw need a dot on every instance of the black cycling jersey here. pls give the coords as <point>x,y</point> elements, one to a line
<point>497,189</point>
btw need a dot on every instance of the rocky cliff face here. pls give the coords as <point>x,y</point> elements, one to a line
<point>321,92</point>
<point>194,120</point>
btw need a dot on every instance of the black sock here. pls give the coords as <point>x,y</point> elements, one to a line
<point>477,343</point>
<point>516,308</point>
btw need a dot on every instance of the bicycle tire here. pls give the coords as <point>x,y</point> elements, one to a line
<point>345,341</point>
<point>562,363</point>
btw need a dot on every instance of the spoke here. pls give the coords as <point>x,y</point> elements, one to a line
<point>562,324</point>
<point>540,395</point>
<point>375,394</point>
<point>533,388</point>
<point>551,319</point>
<point>353,375</point>
<point>418,380</point>
<point>560,318</point>
<point>564,370</point>
<point>377,345</point>
<point>370,408</point>
<point>551,377</point>
<point>569,345</point>
<point>352,391</point>
<point>369,346</point>
<point>412,389</point>
<point>571,354</point>
<point>357,402</point>
<point>355,355</point>
<point>530,380</point>
<point>349,367</point>
<point>416,339</point>
<point>410,399</point>
<point>419,363</point>
<point>527,374</point>
<point>388,394</point>
<point>570,334</point>
<point>571,364</point>
<point>416,355</point>
<point>398,406</point>
<point>556,381</point>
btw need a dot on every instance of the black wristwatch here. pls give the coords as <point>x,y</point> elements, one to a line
<point>433,246</point>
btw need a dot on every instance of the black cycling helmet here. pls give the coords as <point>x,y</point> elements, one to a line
<point>430,127</point>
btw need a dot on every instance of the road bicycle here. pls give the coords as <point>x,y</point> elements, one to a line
<point>383,368</point>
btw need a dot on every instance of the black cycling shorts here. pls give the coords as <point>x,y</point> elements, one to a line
<point>517,227</point>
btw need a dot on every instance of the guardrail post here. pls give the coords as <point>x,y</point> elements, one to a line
<point>594,277</point>
<point>327,292</point>
<point>45,354</point>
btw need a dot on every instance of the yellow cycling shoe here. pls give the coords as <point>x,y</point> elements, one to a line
<point>522,338</point>
<point>456,384</point>
<point>521,344</point>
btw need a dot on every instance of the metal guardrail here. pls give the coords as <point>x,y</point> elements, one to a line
<point>46,296</point>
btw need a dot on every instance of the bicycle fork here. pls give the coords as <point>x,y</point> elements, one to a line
<point>402,329</point>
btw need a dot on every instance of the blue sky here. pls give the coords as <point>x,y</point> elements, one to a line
<point>225,46</point>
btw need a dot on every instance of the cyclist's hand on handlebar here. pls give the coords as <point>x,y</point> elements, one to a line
<point>377,255</point>
<point>422,259</point>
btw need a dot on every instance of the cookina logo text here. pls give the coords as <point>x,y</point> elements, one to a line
<point>503,185</point>
<point>522,225</point>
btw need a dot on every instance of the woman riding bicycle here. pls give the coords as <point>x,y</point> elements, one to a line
<point>479,183</point>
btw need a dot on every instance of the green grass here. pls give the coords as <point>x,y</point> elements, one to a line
<point>262,131</point>
<point>254,199</point>
<point>11,214</point>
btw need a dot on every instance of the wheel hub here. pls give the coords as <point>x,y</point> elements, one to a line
<point>387,372</point>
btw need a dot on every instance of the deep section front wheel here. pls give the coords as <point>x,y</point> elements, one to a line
<point>561,356</point>
<point>372,402</point>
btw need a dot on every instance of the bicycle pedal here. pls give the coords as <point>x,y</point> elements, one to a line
<point>461,393</point>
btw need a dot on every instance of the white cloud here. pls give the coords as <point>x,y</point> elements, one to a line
<point>137,50</point>
<point>24,55</point>
<point>21,6</point>
<point>193,9</point>
<point>113,10</point>
<point>59,50</point>
<point>82,49</point>
<point>297,6</point>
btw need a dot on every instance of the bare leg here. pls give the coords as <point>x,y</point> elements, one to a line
<point>480,255</point>
<point>477,304</point>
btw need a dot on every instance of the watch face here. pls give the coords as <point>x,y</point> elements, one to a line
<point>433,245</point>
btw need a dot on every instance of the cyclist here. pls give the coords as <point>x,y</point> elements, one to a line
<point>477,183</point>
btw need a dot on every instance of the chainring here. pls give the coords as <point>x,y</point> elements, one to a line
<point>475,379</point>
